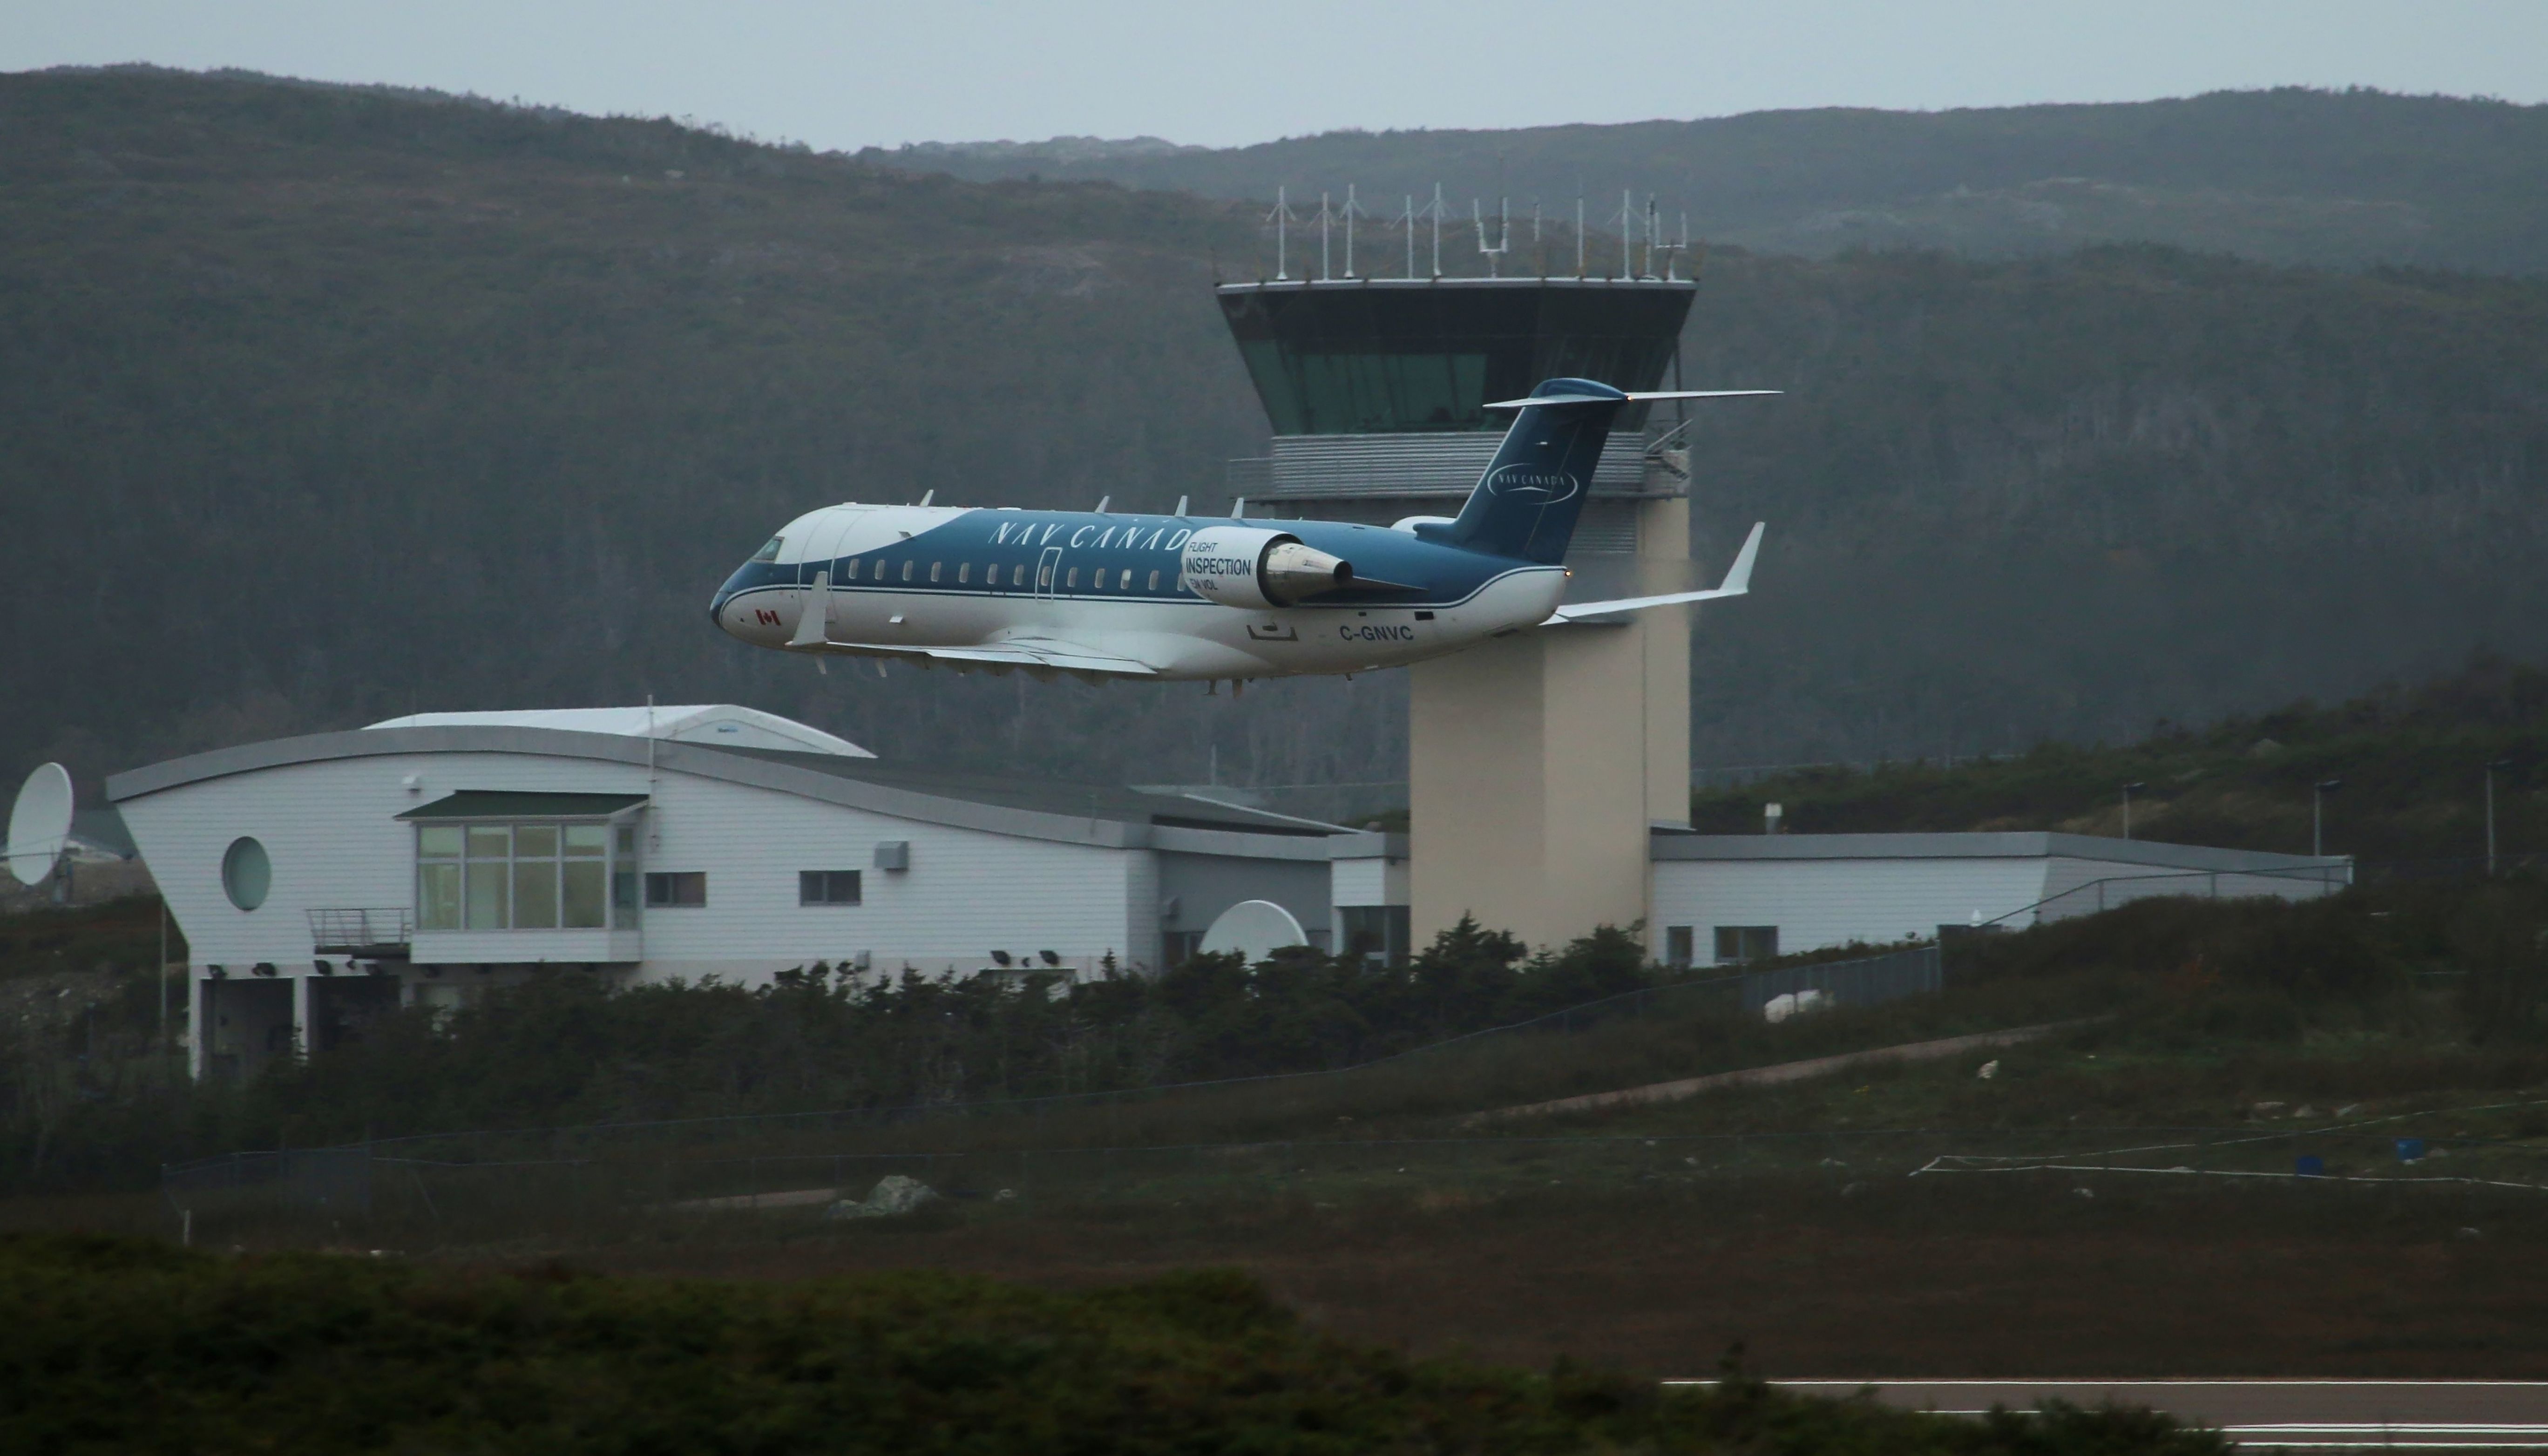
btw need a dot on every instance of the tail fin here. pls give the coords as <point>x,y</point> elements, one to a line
<point>1526,503</point>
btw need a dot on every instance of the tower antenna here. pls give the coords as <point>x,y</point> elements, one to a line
<point>1326,221</point>
<point>1579,235</point>
<point>1504,234</point>
<point>1351,207</point>
<point>1280,218</point>
<point>1438,230</point>
<point>1410,237</point>
<point>1671,251</point>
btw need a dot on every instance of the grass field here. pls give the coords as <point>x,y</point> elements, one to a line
<point>2118,1198</point>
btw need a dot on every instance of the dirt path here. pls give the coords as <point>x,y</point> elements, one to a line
<point>1764,1076</point>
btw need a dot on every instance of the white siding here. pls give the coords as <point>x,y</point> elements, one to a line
<point>1141,911</point>
<point>1832,902</point>
<point>331,833</point>
<point>1373,881</point>
<point>966,893</point>
<point>330,830</point>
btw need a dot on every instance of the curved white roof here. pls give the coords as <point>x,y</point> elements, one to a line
<point>721,723</point>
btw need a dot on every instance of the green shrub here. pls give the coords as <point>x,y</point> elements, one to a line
<point>125,1346</point>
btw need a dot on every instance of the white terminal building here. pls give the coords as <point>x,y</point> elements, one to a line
<point>318,879</point>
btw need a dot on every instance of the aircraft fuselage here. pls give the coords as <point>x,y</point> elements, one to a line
<point>916,577</point>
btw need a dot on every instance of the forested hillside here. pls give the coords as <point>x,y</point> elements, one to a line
<point>324,404</point>
<point>2291,175</point>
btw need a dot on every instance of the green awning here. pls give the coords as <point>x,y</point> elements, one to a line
<point>480,804</point>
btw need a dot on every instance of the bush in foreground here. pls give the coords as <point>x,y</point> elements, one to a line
<point>124,1345</point>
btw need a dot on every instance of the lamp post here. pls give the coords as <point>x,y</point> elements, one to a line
<point>2489,812</point>
<point>2318,814</point>
<point>2128,791</point>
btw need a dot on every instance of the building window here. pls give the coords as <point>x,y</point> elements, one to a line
<point>1177,947</point>
<point>488,901</point>
<point>582,872</point>
<point>1680,946</point>
<point>246,873</point>
<point>679,888</point>
<point>518,876</point>
<point>1738,943</point>
<point>827,887</point>
<point>1376,935</point>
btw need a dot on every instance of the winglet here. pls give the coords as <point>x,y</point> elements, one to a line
<point>1738,576</point>
<point>1737,582</point>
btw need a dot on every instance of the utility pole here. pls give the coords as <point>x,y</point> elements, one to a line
<point>2128,791</point>
<point>2318,814</point>
<point>2489,812</point>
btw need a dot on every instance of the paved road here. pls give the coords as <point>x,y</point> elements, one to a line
<point>2316,1414</point>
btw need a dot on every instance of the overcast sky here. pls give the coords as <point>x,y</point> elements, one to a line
<point>855,74</point>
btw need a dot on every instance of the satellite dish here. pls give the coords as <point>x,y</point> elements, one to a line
<point>40,823</point>
<point>1254,929</point>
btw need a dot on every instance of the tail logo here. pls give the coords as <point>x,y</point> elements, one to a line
<point>1529,485</point>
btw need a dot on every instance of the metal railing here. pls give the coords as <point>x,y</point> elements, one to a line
<point>1869,981</point>
<point>360,931</point>
<point>2299,882</point>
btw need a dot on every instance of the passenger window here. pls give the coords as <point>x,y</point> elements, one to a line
<point>853,569</point>
<point>1154,580</point>
<point>1101,579</point>
<point>769,552</point>
<point>906,569</point>
<point>1072,581</point>
<point>935,568</point>
<point>964,572</point>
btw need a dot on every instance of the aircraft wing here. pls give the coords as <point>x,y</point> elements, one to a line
<point>1041,652</point>
<point>1738,582</point>
<point>1040,656</point>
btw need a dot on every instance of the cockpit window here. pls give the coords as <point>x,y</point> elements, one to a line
<point>769,552</point>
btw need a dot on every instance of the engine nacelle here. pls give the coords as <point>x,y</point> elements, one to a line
<point>1252,568</point>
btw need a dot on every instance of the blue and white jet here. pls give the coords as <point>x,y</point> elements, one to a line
<point>1169,597</point>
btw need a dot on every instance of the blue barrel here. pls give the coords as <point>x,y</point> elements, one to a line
<point>2309,1166</point>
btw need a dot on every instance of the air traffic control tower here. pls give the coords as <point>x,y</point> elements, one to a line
<point>1539,764</point>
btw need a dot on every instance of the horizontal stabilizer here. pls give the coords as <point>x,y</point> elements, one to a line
<point>1737,582</point>
<point>1644,398</point>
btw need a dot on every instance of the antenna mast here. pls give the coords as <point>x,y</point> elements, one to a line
<point>1280,218</point>
<point>1504,234</point>
<point>1669,250</point>
<point>1438,230</point>
<point>1410,237</point>
<point>1352,208</point>
<point>1326,220</point>
<point>1578,238</point>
